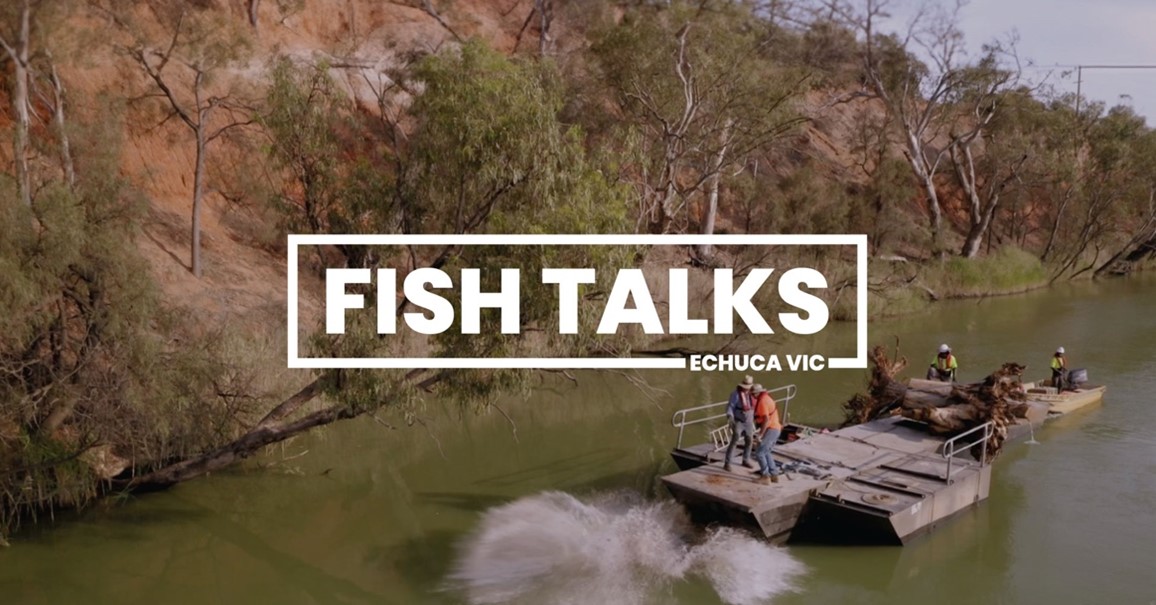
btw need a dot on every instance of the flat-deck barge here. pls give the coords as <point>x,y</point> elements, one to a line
<point>881,482</point>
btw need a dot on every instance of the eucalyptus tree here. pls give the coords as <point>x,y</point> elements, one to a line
<point>1121,156</point>
<point>16,41</point>
<point>302,117</point>
<point>981,99</point>
<point>30,32</point>
<point>877,203</point>
<point>182,67</point>
<point>1109,211</point>
<point>699,96</point>
<point>96,377</point>
<point>941,102</point>
<point>487,154</point>
<point>1142,245</point>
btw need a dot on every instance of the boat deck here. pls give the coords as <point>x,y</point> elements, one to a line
<point>882,481</point>
<point>1068,401</point>
<point>713,494</point>
<point>885,467</point>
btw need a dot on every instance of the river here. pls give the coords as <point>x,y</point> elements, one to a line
<point>562,503</point>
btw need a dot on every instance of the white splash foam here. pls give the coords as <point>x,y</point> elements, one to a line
<point>745,571</point>
<point>553,549</point>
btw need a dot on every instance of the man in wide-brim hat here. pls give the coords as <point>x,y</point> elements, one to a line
<point>741,412</point>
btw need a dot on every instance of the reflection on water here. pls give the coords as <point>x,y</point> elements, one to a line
<point>554,549</point>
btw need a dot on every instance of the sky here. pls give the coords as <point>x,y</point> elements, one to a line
<point>1074,32</point>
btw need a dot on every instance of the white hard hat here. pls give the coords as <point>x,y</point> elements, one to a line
<point>1060,350</point>
<point>944,348</point>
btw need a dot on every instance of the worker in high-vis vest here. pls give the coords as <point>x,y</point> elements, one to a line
<point>1060,369</point>
<point>943,366</point>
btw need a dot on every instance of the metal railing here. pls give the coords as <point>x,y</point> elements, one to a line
<point>781,395</point>
<point>951,447</point>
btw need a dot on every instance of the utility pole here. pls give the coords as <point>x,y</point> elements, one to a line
<point>1080,76</point>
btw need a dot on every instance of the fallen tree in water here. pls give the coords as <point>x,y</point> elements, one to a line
<point>947,408</point>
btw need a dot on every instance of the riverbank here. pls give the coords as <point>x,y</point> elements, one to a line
<point>901,287</point>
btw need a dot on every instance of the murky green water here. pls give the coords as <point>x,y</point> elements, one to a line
<point>363,514</point>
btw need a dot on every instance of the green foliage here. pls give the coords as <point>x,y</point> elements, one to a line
<point>902,74</point>
<point>1008,270</point>
<point>1102,207</point>
<point>489,145</point>
<point>490,154</point>
<point>881,207</point>
<point>71,298</point>
<point>87,358</point>
<point>806,202</point>
<point>890,302</point>
<point>487,154</point>
<point>701,95</point>
<point>303,113</point>
<point>832,50</point>
<point>907,287</point>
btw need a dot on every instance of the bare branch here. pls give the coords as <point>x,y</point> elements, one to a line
<point>513,425</point>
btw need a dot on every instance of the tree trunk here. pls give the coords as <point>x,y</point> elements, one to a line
<point>976,233</point>
<point>673,139</point>
<point>199,127</point>
<point>705,251</point>
<point>981,211</point>
<point>292,404</point>
<point>1142,241</point>
<point>545,9</point>
<point>61,126</point>
<point>971,243</point>
<point>58,415</point>
<point>238,450</point>
<point>922,392</point>
<point>19,56</point>
<point>1089,231</point>
<point>198,194</point>
<point>933,213</point>
<point>1056,226</point>
<point>669,190</point>
<point>1143,251</point>
<point>266,432</point>
<point>978,216</point>
<point>927,181</point>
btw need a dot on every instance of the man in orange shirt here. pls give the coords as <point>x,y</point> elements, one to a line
<point>767,427</point>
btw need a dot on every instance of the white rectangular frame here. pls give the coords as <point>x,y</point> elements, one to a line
<point>297,240</point>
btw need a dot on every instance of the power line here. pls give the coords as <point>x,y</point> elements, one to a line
<point>1115,66</point>
<point>1080,76</point>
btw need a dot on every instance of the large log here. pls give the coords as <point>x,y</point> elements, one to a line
<point>922,399</point>
<point>930,386</point>
<point>951,419</point>
<point>922,393</point>
<point>947,408</point>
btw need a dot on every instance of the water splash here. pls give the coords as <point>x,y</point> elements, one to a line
<point>554,549</point>
<point>1032,440</point>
